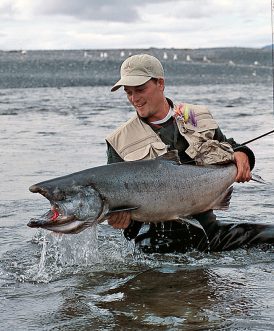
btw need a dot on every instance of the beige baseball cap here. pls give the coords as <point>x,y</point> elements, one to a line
<point>138,69</point>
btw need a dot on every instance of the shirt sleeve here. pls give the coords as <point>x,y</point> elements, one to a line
<point>236,146</point>
<point>112,155</point>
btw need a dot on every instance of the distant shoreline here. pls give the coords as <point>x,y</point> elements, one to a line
<point>267,47</point>
<point>99,67</point>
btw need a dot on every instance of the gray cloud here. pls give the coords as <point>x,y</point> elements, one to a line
<point>127,23</point>
<point>7,9</point>
<point>109,10</point>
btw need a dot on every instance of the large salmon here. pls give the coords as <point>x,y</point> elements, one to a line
<point>153,190</point>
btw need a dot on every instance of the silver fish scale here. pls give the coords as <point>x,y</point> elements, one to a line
<point>161,189</point>
<point>165,190</point>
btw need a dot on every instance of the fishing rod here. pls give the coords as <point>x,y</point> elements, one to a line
<point>263,135</point>
<point>245,143</point>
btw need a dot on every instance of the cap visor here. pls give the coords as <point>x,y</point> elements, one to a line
<point>130,81</point>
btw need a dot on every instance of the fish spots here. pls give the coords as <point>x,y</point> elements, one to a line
<point>126,185</point>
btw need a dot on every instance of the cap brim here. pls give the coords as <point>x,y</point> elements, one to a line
<point>130,81</point>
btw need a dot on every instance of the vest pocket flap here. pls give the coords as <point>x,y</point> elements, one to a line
<point>147,152</point>
<point>206,124</point>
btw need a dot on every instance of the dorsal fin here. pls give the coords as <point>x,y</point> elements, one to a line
<point>171,156</point>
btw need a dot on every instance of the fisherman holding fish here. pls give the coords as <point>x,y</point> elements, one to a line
<point>158,126</point>
<point>182,168</point>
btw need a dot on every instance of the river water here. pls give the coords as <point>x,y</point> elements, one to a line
<point>96,280</point>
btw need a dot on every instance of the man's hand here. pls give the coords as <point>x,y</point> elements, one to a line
<point>119,220</point>
<point>242,163</point>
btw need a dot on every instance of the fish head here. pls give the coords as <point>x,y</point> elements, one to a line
<point>71,211</point>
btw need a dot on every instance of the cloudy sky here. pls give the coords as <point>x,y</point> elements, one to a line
<point>99,24</point>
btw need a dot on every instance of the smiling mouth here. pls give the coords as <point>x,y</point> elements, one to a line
<point>139,106</point>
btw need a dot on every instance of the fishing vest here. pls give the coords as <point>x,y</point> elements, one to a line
<point>136,140</point>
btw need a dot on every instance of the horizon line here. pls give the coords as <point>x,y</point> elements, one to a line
<point>129,48</point>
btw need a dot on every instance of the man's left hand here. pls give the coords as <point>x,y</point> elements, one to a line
<point>242,163</point>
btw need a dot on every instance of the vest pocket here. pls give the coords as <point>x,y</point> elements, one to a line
<point>147,152</point>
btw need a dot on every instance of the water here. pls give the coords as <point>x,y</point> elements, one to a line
<point>96,280</point>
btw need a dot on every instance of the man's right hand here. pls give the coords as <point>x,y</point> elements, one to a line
<point>119,220</point>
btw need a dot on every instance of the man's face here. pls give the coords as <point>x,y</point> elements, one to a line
<point>147,99</point>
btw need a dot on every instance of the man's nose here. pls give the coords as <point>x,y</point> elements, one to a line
<point>134,97</point>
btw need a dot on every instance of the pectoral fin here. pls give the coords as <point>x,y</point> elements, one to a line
<point>259,179</point>
<point>106,212</point>
<point>117,210</point>
<point>192,221</point>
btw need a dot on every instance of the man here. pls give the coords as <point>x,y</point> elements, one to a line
<point>159,125</point>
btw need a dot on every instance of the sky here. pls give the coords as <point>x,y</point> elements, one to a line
<point>98,24</point>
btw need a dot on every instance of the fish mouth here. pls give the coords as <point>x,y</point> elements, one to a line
<point>51,219</point>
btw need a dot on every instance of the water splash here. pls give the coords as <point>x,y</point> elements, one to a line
<point>64,254</point>
<point>41,268</point>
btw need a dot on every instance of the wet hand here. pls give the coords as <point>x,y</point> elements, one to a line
<point>243,168</point>
<point>119,220</point>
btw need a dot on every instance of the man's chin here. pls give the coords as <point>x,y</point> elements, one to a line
<point>142,116</point>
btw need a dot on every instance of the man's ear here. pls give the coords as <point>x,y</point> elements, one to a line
<point>161,83</point>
